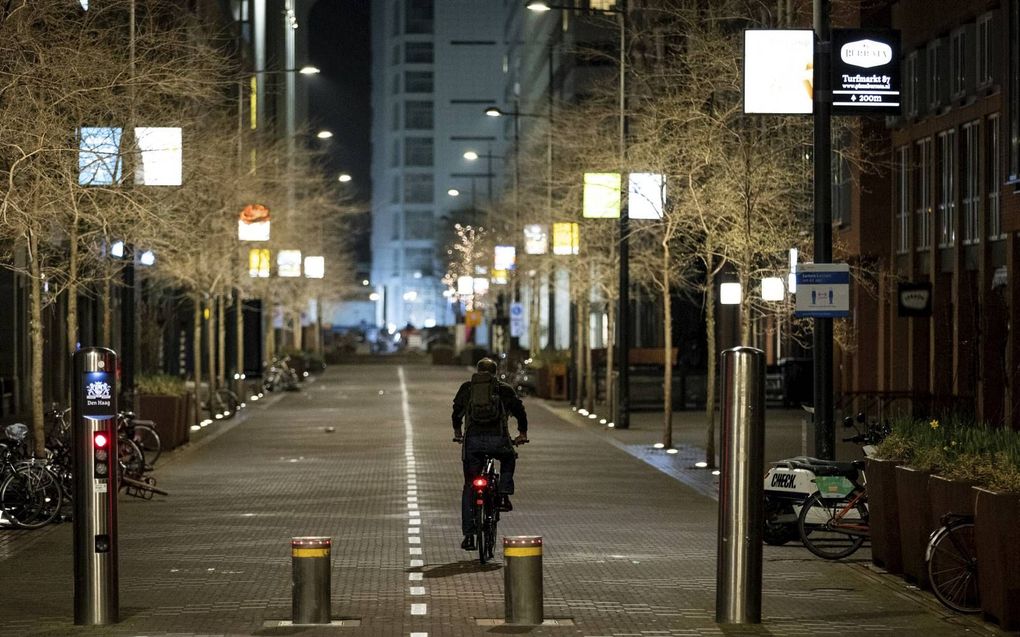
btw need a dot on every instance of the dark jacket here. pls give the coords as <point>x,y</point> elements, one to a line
<point>512,405</point>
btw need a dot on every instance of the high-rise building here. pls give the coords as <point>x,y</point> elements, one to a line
<point>437,64</point>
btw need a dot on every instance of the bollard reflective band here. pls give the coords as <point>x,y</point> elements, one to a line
<point>522,546</point>
<point>310,546</point>
<point>531,551</point>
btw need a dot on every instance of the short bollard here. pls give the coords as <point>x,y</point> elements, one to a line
<point>310,588</point>
<point>522,579</point>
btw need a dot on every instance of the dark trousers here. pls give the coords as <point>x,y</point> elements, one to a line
<point>476,450</point>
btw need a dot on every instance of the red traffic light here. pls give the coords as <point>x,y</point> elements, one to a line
<point>100,440</point>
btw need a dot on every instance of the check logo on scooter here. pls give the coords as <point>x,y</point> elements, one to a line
<point>784,480</point>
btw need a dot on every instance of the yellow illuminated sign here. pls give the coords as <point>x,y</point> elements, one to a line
<point>566,238</point>
<point>259,263</point>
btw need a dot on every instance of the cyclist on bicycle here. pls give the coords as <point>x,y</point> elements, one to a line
<point>483,404</point>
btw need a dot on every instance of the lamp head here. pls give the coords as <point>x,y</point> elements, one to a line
<point>538,6</point>
<point>470,155</point>
<point>309,70</point>
<point>492,111</point>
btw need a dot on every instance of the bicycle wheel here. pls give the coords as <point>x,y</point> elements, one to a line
<point>833,528</point>
<point>148,441</point>
<point>480,532</point>
<point>952,567</point>
<point>131,458</point>
<point>31,497</point>
<point>780,522</point>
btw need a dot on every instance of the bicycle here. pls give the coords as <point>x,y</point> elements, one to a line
<point>833,522</point>
<point>30,492</point>
<point>485,507</point>
<point>143,434</point>
<point>951,560</point>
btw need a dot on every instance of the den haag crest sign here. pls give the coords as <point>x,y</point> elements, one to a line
<point>98,395</point>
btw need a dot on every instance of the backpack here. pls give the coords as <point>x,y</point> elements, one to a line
<point>484,408</point>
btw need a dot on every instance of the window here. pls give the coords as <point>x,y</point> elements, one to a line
<point>395,156</point>
<point>396,118</point>
<point>418,115</point>
<point>419,260</point>
<point>418,188</point>
<point>418,81</point>
<point>395,193</point>
<point>418,53</point>
<point>395,233</point>
<point>947,178</point>
<point>982,56</point>
<point>418,151</point>
<point>958,63</point>
<point>396,54</point>
<point>396,18</point>
<point>1014,91</point>
<point>936,74</point>
<point>914,84</point>
<point>970,183</point>
<point>993,172</point>
<point>418,16</point>
<point>903,196</point>
<point>419,225</point>
<point>922,200</point>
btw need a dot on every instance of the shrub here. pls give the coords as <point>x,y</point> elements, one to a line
<point>161,385</point>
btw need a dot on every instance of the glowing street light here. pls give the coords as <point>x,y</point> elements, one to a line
<point>344,178</point>
<point>453,192</point>
<point>538,7</point>
<point>324,134</point>
<point>470,155</point>
<point>309,70</point>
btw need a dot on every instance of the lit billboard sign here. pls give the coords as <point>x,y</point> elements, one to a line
<point>601,195</point>
<point>161,156</point>
<point>288,263</point>
<point>253,223</point>
<point>505,258</point>
<point>865,71</point>
<point>536,239</point>
<point>99,156</point>
<point>646,196</point>
<point>778,71</point>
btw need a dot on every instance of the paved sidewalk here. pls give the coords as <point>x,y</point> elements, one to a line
<point>630,551</point>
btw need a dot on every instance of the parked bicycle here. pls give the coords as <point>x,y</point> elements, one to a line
<point>279,375</point>
<point>30,492</point>
<point>952,564</point>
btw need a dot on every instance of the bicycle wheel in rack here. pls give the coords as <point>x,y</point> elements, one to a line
<point>832,528</point>
<point>31,497</point>
<point>952,567</point>
<point>131,458</point>
<point>148,442</point>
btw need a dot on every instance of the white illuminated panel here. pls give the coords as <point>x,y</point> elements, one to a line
<point>161,156</point>
<point>536,239</point>
<point>99,156</point>
<point>778,71</point>
<point>481,285</point>
<point>465,285</point>
<point>288,263</point>
<point>506,258</point>
<point>772,289</point>
<point>315,267</point>
<point>729,294</point>
<point>601,196</point>
<point>646,196</point>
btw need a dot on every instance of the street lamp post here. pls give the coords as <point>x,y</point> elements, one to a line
<point>622,416</point>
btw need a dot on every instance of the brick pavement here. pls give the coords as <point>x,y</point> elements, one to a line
<point>629,549</point>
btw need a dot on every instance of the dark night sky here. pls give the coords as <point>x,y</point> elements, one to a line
<point>340,97</point>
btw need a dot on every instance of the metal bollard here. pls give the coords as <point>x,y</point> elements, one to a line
<point>522,579</point>
<point>310,585</point>
<point>741,498</point>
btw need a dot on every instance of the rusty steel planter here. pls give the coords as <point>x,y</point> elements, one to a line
<point>884,514</point>
<point>997,536</point>
<point>915,522</point>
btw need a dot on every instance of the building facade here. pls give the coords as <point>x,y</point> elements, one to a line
<point>437,65</point>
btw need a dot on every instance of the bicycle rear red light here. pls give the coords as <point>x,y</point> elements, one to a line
<point>100,440</point>
<point>480,483</point>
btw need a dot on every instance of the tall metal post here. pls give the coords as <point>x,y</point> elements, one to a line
<point>825,436</point>
<point>622,418</point>
<point>741,497</point>
<point>130,320</point>
<point>94,457</point>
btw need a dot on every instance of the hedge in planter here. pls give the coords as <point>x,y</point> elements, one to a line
<point>163,400</point>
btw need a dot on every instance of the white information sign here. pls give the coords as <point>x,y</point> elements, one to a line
<point>823,290</point>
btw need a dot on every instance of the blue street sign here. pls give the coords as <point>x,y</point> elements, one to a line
<point>823,290</point>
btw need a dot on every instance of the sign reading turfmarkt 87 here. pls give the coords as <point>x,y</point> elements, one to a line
<point>98,400</point>
<point>865,71</point>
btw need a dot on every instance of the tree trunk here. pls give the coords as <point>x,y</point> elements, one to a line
<point>210,344</point>
<point>745,312</point>
<point>299,333</point>
<point>578,356</point>
<point>72,289</point>
<point>589,375</point>
<point>196,354</point>
<point>106,337</point>
<point>667,352</point>
<point>710,381</point>
<point>610,357</point>
<point>239,340</point>
<point>36,336</point>
<point>534,318</point>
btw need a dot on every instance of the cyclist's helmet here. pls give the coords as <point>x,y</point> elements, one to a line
<point>487,366</point>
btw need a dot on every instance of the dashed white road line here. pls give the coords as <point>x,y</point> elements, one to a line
<point>413,514</point>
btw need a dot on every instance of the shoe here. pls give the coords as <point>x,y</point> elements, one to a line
<point>468,543</point>
<point>505,504</point>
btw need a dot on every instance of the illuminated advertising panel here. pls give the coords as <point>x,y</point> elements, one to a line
<point>288,263</point>
<point>259,262</point>
<point>865,71</point>
<point>99,156</point>
<point>253,223</point>
<point>601,196</point>
<point>506,258</point>
<point>536,239</point>
<point>315,267</point>
<point>778,71</point>
<point>566,239</point>
<point>162,154</point>
<point>465,285</point>
<point>646,196</point>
